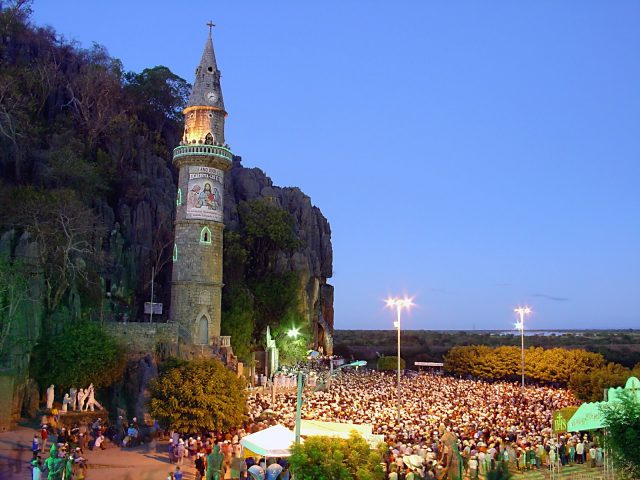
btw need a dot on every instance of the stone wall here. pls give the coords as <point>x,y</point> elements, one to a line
<point>143,338</point>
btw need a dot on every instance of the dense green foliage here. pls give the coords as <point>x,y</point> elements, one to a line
<point>198,396</point>
<point>83,145</point>
<point>255,296</point>
<point>590,386</point>
<point>555,365</point>
<point>585,373</point>
<point>14,294</point>
<point>390,363</point>
<point>65,232</point>
<point>622,421</point>
<point>77,354</point>
<point>336,459</point>
<point>266,230</point>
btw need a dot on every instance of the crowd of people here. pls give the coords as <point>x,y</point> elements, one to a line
<point>495,424</point>
<point>220,456</point>
<point>487,426</point>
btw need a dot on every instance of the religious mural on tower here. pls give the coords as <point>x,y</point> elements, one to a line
<point>204,200</point>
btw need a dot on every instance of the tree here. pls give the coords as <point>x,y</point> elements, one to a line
<point>201,395</point>
<point>14,293</point>
<point>95,93</point>
<point>159,95</point>
<point>292,349</point>
<point>336,459</point>
<point>390,363</point>
<point>266,230</point>
<point>67,234</point>
<point>78,354</point>
<point>590,386</point>
<point>622,420</point>
<point>275,295</point>
<point>238,319</point>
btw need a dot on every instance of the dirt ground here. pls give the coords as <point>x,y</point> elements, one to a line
<point>146,462</point>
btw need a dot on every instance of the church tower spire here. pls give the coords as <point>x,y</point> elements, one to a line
<point>202,158</point>
<point>206,88</point>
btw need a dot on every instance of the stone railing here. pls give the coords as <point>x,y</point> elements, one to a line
<point>225,342</point>
<point>203,150</point>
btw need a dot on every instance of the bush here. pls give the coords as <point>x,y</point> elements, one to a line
<point>80,353</point>
<point>201,395</point>
<point>390,363</point>
<point>622,420</point>
<point>589,387</point>
<point>336,459</point>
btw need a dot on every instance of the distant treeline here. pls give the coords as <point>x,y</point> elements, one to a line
<point>618,346</point>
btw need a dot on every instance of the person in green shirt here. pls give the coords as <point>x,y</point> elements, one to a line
<point>54,464</point>
<point>214,464</point>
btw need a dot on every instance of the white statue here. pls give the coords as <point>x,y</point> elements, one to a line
<point>74,398</point>
<point>81,397</point>
<point>65,402</point>
<point>50,397</point>
<point>91,401</point>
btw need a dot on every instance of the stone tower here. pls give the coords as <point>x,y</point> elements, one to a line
<point>201,158</point>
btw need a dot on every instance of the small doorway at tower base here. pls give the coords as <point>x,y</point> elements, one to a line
<point>202,330</point>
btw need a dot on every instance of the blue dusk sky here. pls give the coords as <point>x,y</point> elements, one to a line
<point>478,155</point>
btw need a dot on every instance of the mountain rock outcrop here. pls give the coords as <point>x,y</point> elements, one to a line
<point>313,261</point>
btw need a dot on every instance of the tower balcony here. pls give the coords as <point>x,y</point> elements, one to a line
<point>202,150</point>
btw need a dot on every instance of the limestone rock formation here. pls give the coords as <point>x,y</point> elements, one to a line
<point>314,261</point>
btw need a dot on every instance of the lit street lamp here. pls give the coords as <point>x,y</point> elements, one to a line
<point>522,311</point>
<point>399,304</point>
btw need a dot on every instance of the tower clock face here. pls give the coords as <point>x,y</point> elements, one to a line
<point>212,97</point>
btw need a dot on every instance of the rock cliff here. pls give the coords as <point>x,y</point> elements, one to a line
<point>313,261</point>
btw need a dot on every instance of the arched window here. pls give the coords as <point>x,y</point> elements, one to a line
<point>175,252</point>
<point>208,139</point>
<point>205,236</point>
<point>179,198</point>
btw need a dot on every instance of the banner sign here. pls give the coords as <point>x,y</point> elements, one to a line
<point>204,197</point>
<point>157,308</point>
<point>560,419</point>
<point>428,364</point>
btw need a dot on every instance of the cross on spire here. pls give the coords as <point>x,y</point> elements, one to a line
<point>210,25</point>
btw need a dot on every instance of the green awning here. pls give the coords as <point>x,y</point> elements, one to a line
<point>589,415</point>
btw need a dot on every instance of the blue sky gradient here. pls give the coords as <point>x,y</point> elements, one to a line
<point>477,155</point>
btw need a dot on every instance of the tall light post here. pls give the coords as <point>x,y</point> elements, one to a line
<point>399,303</point>
<point>522,311</point>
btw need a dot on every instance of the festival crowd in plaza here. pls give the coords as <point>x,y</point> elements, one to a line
<point>491,425</point>
<point>495,424</point>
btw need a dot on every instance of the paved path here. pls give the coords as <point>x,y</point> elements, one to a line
<point>146,462</point>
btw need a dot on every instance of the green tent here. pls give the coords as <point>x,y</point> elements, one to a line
<point>589,415</point>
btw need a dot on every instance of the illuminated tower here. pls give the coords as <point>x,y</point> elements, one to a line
<point>201,158</point>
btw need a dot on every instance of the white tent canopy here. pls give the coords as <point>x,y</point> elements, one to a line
<point>274,441</point>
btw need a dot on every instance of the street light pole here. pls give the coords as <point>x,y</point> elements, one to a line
<point>398,307</point>
<point>399,304</point>
<point>522,311</point>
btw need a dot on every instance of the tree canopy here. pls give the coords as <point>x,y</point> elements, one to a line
<point>198,396</point>
<point>622,420</point>
<point>77,354</point>
<point>336,459</point>
<point>390,363</point>
<point>554,365</point>
<point>256,294</point>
